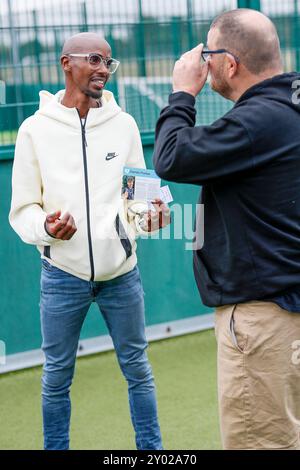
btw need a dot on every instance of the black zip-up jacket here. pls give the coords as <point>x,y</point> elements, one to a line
<point>248,164</point>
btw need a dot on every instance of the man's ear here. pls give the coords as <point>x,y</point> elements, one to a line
<point>65,63</point>
<point>231,66</point>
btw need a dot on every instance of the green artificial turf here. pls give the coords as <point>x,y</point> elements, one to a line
<point>8,137</point>
<point>185,373</point>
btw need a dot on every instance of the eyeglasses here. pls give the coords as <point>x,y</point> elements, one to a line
<point>206,53</point>
<point>96,59</point>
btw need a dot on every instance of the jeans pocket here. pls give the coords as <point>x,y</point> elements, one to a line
<point>46,265</point>
<point>239,338</point>
<point>49,268</point>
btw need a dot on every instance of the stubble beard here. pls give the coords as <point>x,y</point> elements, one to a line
<point>96,95</point>
<point>219,85</point>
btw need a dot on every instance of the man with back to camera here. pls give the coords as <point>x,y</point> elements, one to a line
<point>248,164</point>
<point>67,181</point>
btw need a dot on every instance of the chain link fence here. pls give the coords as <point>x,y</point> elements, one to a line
<point>147,36</point>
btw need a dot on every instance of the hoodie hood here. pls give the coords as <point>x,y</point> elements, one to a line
<point>51,107</point>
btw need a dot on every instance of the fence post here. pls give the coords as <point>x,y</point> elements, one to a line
<point>176,25</point>
<point>254,4</point>
<point>141,43</point>
<point>14,38</point>
<point>84,25</point>
<point>57,47</point>
<point>190,4</point>
<point>296,34</point>
<point>37,48</point>
<point>109,36</point>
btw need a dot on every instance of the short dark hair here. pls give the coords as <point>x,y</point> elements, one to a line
<point>257,48</point>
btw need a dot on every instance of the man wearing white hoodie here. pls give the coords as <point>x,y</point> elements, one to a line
<point>66,199</point>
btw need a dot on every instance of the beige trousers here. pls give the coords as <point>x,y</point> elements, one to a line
<point>258,376</point>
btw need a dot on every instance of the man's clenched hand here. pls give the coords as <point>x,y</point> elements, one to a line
<point>61,228</point>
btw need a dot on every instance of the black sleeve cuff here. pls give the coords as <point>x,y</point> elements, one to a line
<point>48,233</point>
<point>182,97</point>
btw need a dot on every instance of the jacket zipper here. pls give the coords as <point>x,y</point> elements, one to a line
<point>87,198</point>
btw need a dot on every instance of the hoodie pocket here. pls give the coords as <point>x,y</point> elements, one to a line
<point>47,252</point>
<point>125,242</point>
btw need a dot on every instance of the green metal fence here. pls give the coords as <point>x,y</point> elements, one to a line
<point>146,36</point>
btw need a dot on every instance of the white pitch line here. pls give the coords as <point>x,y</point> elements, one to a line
<point>146,91</point>
<point>142,84</point>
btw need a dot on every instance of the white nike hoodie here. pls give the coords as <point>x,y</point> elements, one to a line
<point>62,164</point>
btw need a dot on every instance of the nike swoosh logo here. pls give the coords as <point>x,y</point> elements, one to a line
<point>110,156</point>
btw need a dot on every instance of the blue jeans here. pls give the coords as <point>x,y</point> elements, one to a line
<point>65,301</point>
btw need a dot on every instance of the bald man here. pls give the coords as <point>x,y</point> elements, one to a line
<point>248,269</point>
<point>66,199</point>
